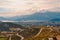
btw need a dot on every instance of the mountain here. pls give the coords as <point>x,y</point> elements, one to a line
<point>2,18</point>
<point>55,20</point>
<point>44,16</point>
<point>37,16</point>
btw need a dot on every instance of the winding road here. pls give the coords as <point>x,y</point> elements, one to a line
<point>20,36</point>
<point>38,32</point>
<point>41,31</point>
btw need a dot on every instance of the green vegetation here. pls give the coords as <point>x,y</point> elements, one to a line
<point>3,39</point>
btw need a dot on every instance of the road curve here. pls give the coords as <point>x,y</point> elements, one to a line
<point>20,36</point>
<point>38,32</point>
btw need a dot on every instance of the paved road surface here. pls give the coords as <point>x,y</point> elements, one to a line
<point>38,32</point>
<point>20,36</point>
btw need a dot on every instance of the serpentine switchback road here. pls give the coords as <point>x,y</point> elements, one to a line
<point>20,36</point>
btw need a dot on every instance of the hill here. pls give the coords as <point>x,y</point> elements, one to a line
<point>4,26</point>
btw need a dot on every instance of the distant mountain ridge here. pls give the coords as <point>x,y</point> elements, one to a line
<point>45,16</point>
<point>55,20</point>
<point>42,15</point>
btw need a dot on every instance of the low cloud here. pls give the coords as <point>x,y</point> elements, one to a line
<point>26,7</point>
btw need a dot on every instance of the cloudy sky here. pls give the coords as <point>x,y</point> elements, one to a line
<point>12,8</point>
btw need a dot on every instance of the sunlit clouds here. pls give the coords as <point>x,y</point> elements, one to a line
<point>25,7</point>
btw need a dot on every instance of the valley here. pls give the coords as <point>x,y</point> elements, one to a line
<point>29,30</point>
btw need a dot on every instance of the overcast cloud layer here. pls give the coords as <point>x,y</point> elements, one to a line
<point>24,7</point>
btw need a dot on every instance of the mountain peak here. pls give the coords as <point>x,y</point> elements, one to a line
<point>41,15</point>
